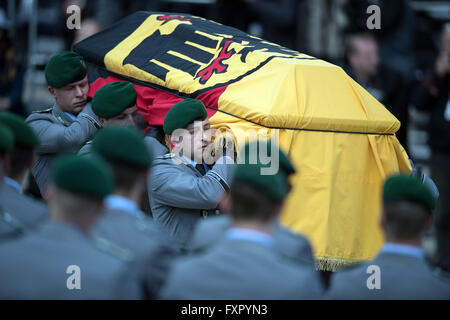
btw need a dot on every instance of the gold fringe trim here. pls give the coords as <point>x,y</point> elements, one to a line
<point>334,264</point>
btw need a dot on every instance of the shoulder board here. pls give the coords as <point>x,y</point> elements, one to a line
<point>113,249</point>
<point>167,156</point>
<point>44,111</point>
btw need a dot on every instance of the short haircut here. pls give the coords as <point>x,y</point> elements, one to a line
<point>404,220</point>
<point>71,205</point>
<point>19,160</point>
<point>250,203</point>
<point>125,175</point>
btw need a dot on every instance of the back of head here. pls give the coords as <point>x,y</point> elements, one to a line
<point>126,152</point>
<point>407,207</point>
<point>78,186</point>
<point>257,196</point>
<point>25,140</point>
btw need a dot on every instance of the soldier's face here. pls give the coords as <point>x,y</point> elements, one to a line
<point>126,118</point>
<point>73,97</point>
<point>193,140</point>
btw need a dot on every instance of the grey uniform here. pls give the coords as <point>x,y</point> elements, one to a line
<point>156,148</point>
<point>210,231</point>
<point>58,133</point>
<point>145,242</point>
<point>401,277</point>
<point>241,269</point>
<point>9,227</point>
<point>25,210</point>
<point>36,266</point>
<point>180,196</point>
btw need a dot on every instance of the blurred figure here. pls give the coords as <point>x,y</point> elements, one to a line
<point>89,27</point>
<point>395,36</point>
<point>385,85</point>
<point>209,231</point>
<point>246,264</point>
<point>39,265</point>
<point>123,222</point>
<point>432,95</point>
<point>400,270</point>
<point>8,229</point>
<point>26,212</point>
<point>11,72</point>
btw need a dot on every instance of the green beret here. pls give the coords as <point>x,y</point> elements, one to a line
<point>24,135</point>
<point>274,185</point>
<point>88,176</point>
<point>7,140</point>
<point>65,68</point>
<point>284,163</point>
<point>125,145</point>
<point>113,98</point>
<point>401,187</point>
<point>182,114</point>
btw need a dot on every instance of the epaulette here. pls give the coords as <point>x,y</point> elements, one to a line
<point>44,111</point>
<point>167,156</point>
<point>15,225</point>
<point>113,249</point>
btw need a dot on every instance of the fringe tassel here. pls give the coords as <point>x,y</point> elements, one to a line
<point>333,264</point>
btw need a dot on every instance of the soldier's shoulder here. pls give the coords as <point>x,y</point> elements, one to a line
<point>40,114</point>
<point>166,156</point>
<point>48,110</point>
<point>112,249</point>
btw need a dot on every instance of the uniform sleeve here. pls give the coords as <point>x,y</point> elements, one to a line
<point>173,187</point>
<point>56,138</point>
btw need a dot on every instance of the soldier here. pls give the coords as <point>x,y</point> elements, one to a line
<point>209,231</point>
<point>59,261</point>
<point>400,270</point>
<point>70,122</point>
<point>123,222</point>
<point>7,227</point>
<point>27,212</point>
<point>115,104</point>
<point>182,191</point>
<point>245,264</point>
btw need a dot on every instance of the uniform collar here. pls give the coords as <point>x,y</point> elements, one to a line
<point>249,235</point>
<point>115,202</point>
<point>403,249</point>
<point>71,116</point>
<point>63,117</point>
<point>13,184</point>
<point>189,160</point>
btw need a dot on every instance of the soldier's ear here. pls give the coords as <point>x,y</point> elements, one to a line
<point>429,222</point>
<point>52,91</point>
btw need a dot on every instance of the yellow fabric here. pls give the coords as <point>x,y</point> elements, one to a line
<point>335,199</point>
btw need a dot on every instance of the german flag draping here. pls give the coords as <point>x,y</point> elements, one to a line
<point>340,138</point>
